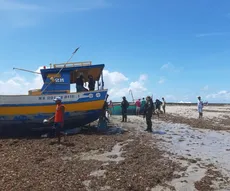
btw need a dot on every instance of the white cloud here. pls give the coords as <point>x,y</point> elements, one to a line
<point>162,80</point>
<point>137,87</point>
<point>113,78</point>
<point>223,95</point>
<point>16,84</point>
<point>170,67</point>
<point>143,77</point>
<point>185,102</point>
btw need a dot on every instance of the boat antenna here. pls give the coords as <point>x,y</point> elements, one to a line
<point>26,70</point>
<point>61,68</point>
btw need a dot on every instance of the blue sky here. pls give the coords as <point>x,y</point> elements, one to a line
<point>182,47</point>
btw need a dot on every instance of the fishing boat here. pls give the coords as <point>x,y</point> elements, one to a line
<point>116,109</point>
<point>29,111</point>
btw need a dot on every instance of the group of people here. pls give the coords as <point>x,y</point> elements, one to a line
<point>146,105</point>
<point>149,107</point>
<point>80,83</point>
<point>156,106</point>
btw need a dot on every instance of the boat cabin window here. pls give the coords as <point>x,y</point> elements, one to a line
<point>89,79</point>
<point>71,77</point>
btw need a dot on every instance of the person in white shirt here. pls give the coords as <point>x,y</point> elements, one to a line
<point>163,104</point>
<point>200,106</point>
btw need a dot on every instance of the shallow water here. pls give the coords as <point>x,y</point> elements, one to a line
<point>204,146</point>
<point>208,145</point>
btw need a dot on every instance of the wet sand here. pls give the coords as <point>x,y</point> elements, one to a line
<point>185,158</point>
<point>214,117</point>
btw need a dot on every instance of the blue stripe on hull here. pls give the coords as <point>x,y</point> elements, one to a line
<point>72,120</point>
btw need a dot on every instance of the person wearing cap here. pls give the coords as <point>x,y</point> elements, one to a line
<point>124,107</point>
<point>200,106</point>
<point>58,118</point>
<point>148,112</point>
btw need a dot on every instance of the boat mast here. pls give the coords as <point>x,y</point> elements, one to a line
<point>26,70</point>
<point>61,69</point>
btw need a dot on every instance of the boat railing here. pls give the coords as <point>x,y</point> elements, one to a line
<point>34,92</point>
<point>72,64</point>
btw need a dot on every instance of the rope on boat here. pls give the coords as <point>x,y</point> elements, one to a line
<point>61,69</point>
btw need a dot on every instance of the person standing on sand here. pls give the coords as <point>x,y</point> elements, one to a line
<point>143,102</point>
<point>163,104</point>
<point>105,108</point>
<point>138,107</point>
<point>200,106</point>
<point>124,107</point>
<point>58,118</point>
<point>110,108</point>
<point>148,112</point>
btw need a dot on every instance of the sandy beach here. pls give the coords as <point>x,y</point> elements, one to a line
<point>183,154</point>
<point>75,74</point>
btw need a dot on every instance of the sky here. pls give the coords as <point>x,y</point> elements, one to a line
<point>174,49</point>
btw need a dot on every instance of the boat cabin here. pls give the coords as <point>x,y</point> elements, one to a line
<point>58,78</point>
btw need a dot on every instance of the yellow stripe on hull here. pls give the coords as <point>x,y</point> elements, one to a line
<point>30,110</point>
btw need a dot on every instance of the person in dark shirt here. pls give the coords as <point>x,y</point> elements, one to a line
<point>124,107</point>
<point>91,85</point>
<point>148,111</point>
<point>80,84</point>
<point>143,102</point>
<point>105,108</point>
<point>163,104</point>
<point>158,104</point>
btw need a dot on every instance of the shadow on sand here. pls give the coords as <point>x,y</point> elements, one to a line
<point>48,133</point>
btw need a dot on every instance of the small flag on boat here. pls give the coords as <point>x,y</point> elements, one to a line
<point>76,50</point>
